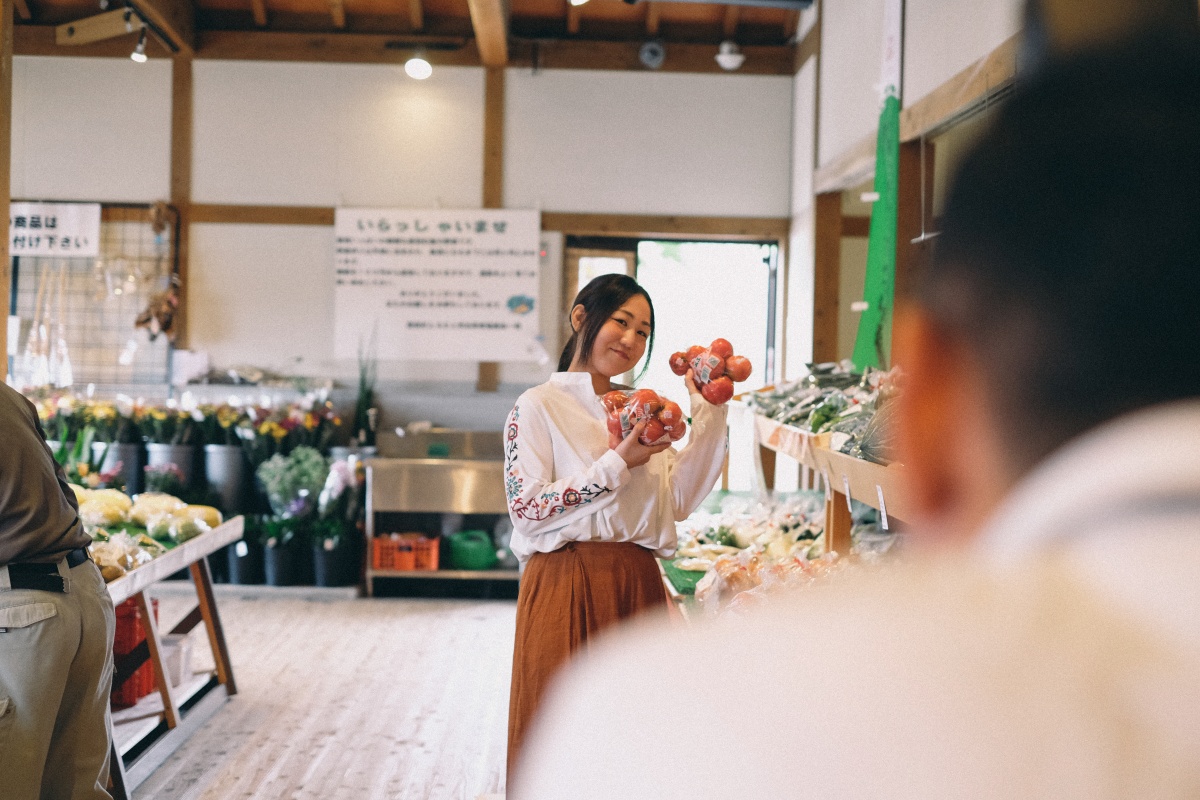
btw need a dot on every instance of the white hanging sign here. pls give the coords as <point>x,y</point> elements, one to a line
<point>437,285</point>
<point>70,230</point>
<point>893,41</point>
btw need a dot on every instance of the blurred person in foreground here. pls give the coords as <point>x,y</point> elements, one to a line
<point>56,626</point>
<point>1046,640</point>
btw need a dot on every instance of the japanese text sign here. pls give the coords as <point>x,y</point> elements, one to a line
<point>436,285</point>
<point>69,230</point>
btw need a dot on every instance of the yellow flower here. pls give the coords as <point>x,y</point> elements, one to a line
<point>82,468</point>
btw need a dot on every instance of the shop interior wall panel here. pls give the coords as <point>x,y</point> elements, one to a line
<point>91,129</point>
<point>648,143</point>
<point>851,52</point>
<point>942,37</point>
<point>800,296</point>
<point>337,135</point>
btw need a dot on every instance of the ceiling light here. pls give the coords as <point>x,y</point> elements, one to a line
<point>417,67</point>
<point>577,2</point>
<point>652,54</point>
<point>139,52</point>
<point>729,57</point>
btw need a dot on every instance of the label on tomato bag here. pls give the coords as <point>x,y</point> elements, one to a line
<point>703,366</point>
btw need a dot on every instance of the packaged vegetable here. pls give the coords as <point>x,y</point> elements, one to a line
<point>715,369</point>
<point>664,418</point>
<point>153,504</point>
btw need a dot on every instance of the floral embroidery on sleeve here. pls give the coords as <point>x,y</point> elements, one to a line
<point>549,502</point>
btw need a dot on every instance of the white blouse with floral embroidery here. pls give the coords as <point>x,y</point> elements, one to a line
<point>564,484</point>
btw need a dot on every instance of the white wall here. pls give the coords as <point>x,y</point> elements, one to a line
<point>337,135</point>
<point>851,50</point>
<point>944,37</point>
<point>800,283</point>
<point>91,129</point>
<point>647,143</point>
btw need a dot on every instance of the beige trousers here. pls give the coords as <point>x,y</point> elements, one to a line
<point>56,670</point>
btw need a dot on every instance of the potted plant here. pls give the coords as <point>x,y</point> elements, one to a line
<point>334,533</point>
<point>117,434</point>
<point>170,435</point>
<point>293,484</point>
<point>61,422</point>
<point>83,463</point>
<point>224,459</point>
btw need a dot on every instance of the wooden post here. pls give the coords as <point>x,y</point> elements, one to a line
<point>827,268</point>
<point>493,183</point>
<point>6,74</point>
<point>212,623</point>
<point>170,707</point>
<point>914,197</point>
<point>837,523</point>
<point>181,179</point>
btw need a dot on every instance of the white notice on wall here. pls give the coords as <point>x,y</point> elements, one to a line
<point>69,230</point>
<point>443,285</point>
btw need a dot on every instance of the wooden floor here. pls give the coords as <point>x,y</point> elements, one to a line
<point>348,698</point>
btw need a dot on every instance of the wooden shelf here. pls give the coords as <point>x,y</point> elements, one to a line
<point>868,481</point>
<point>132,725</point>
<point>790,440</point>
<point>172,561</point>
<point>449,574</point>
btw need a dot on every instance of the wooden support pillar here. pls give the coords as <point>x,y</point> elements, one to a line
<point>6,74</point>
<point>493,183</point>
<point>837,522</point>
<point>827,269</point>
<point>181,179</point>
<point>163,681</point>
<point>914,199</point>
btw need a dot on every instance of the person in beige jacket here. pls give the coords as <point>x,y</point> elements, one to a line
<point>56,626</point>
<point>1048,646</point>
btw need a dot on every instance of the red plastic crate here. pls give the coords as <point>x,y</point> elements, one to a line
<point>129,634</point>
<point>405,551</point>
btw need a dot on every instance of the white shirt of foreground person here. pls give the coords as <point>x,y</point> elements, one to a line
<point>1060,659</point>
<point>564,484</point>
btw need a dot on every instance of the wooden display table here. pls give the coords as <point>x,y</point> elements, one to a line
<point>144,735</point>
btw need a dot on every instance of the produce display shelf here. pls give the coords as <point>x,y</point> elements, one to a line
<point>147,734</point>
<point>449,574</point>
<point>790,440</point>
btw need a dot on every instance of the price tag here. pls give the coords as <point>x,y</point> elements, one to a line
<point>846,484</point>
<point>882,506</point>
<point>241,550</point>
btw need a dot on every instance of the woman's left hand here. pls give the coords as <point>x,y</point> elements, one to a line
<point>689,380</point>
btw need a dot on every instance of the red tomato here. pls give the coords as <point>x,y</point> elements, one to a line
<point>614,426</point>
<point>646,403</point>
<point>721,347</point>
<point>718,391</point>
<point>679,363</point>
<point>671,414</point>
<point>614,400</point>
<point>738,368</point>
<point>653,431</point>
<point>678,431</point>
<point>694,351</point>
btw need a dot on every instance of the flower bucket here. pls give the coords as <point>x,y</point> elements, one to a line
<point>246,563</point>
<point>225,470</point>
<point>288,564</point>
<point>336,566</point>
<point>129,456</point>
<point>181,455</point>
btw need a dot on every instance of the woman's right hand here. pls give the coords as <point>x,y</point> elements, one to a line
<point>631,450</point>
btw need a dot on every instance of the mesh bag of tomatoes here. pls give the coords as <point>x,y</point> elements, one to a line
<point>715,368</point>
<point>664,418</point>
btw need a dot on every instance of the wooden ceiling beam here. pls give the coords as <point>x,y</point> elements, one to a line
<point>348,48</point>
<point>416,15</point>
<point>680,57</point>
<point>574,13</point>
<point>174,19</point>
<point>730,23</point>
<point>791,25</point>
<point>259,9</point>
<point>22,7</point>
<point>337,11</point>
<point>489,18</point>
<point>97,28</point>
<point>653,18</point>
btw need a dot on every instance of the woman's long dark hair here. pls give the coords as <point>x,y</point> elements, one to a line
<point>600,298</point>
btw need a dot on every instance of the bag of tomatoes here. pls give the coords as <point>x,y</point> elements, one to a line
<point>664,418</point>
<point>715,368</point>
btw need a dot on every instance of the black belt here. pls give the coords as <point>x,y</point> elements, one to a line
<point>44,576</point>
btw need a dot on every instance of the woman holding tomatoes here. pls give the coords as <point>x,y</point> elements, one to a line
<point>590,510</point>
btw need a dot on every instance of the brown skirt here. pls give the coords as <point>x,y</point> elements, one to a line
<point>566,598</point>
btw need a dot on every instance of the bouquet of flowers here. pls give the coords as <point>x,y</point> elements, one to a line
<point>82,464</point>
<point>114,422</point>
<point>266,432</point>
<point>340,502</point>
<point>294,482</point>
<point>61,417</point>
<point>169,426</point>
<point>219,424</point>
<point>164,478</point>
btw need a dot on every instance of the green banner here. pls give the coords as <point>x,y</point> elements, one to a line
<point>874,340</point>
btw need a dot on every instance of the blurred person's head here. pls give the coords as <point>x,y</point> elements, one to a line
<point>1064,289</point>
